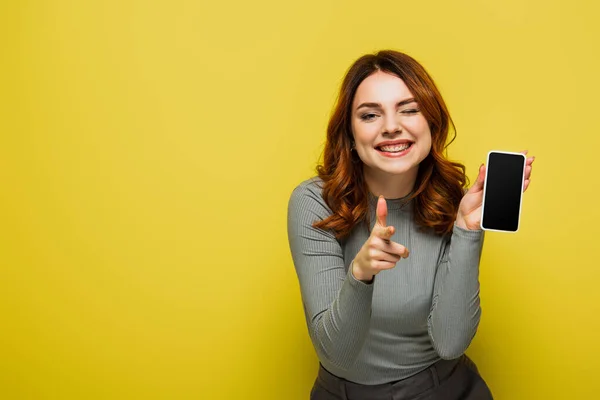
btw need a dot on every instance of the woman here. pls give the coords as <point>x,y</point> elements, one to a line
<point>386,243</point>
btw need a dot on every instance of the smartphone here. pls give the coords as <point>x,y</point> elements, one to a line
<point>503,191</point>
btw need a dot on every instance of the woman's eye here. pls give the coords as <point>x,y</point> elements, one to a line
<point>367,117</point>
<point>411,111</point>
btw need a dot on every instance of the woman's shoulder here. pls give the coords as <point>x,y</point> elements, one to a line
<point>308,195</point>
<point>314,184</point>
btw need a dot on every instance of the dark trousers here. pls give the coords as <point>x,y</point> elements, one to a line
<point>456,379</point>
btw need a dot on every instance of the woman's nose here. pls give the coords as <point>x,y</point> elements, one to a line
<point>392,125</point>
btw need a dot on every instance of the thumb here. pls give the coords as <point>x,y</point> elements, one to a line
<point>381,211</point>
<point>478,185</point>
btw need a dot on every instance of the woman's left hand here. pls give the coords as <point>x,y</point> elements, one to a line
<point>469,210</point>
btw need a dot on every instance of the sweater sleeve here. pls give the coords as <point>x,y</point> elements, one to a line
<point>455,310</point>
<point>337,306</point>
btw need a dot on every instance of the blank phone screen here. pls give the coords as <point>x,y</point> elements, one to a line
<point>503,191</point>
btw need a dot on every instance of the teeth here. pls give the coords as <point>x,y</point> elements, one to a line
<point>396,148</point>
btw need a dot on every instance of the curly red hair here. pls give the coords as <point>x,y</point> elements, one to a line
<point>440,182</point>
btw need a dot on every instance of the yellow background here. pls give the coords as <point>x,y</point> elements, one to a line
<point>147,154</point>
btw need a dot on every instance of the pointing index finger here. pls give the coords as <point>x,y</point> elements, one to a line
<point>381,211</point>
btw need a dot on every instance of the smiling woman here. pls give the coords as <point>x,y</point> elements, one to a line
<point>389,99</point>
<point>382,321</point>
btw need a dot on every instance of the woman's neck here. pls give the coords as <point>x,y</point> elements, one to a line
<point>389,185</point>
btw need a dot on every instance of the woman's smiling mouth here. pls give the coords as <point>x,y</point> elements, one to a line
<point>394,149</point>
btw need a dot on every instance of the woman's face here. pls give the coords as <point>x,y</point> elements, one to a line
<point>391,134</point>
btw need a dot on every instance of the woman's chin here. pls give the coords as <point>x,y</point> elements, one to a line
<point>393,169</point>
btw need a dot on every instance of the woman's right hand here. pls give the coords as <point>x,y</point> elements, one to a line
<point>379,252</point>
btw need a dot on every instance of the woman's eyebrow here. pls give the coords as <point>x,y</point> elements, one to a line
<point>377,105</point>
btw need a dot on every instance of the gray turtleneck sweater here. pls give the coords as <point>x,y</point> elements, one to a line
<point>423,309</point>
